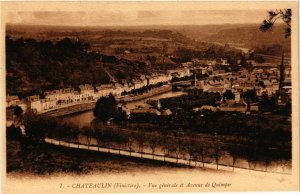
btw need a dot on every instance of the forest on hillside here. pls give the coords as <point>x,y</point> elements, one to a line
<point>33,66</point>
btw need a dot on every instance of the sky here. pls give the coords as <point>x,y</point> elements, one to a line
<point>120,17</point>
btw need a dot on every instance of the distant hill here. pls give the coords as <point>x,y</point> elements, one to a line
<point>251,37</point>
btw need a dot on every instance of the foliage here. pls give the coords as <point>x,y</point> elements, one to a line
<point>228,95</point>
<point>18,111</point>
<point>284,14</point>
<point>106,108</point>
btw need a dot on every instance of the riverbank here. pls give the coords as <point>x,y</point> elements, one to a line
<point>152,92</point>
<point>76,108</point>
<point>82,107</point>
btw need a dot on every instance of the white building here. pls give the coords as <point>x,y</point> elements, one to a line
<point>104,90</point>
<point>87,92</point>
<point>12,101</point>
<point>34,103</point>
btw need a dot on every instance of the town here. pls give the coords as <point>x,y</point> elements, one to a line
<point>153,94</point>
<point>263,79</point>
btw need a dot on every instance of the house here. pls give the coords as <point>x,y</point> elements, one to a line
<point>66,96</point>
<point>53,95</point>
<point>211,63</point>
<point>118,89</point>
<point>232,106</point>
<point>206,107</point>
<point>216,90</point>
<point>12,101</point>
<point>210,70</point>
<point>145,111</point>
<point>9,117</point>
<point>77,97</point>
<point>254,107</point>
<point>224,62</point>
<point>125,109</point>
<point>23,104</point>
<point>154,103</point>
<point>257,72</point>
<point>104,90</point>
<point>87,92</point>
<point>237,97</point>
<point>47,104</point>
<point>138,84</point>
<point>167,112</point>
<point>34,103</point>
<point>195,90</point>
<point>274,72</point>
<point>270,88</point>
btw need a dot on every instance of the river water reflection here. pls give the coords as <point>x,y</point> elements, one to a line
<point>85,118</point>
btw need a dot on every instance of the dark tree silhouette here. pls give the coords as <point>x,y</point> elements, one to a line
<point>235,151</point>
<point>74,134</point>
<point>88,132</point>
<point>228,95</point>
<point>284,14</point>
<point>217,153</point>
<point>140,138</point>
<point>18,111</point>
<point>130,141</point>
<point>154,140</point>
<point>106,108</point>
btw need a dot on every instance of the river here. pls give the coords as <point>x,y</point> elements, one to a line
<point>85,118</point>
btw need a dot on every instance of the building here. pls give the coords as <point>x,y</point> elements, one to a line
<point>47,104</point>
<point>87,92</point>
<point>53,95</point>
<point>34,103</point>
<point>66,96</point>
<point>232,106</point>
<point>205,107</point>
<point>104,90</point>
<point>77,97</point>
<point>145,111</point>
<point>12,101</point>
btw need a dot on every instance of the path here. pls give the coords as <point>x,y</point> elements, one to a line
<point>158,157</point>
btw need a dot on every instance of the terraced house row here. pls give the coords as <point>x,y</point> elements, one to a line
<point>55,99</point>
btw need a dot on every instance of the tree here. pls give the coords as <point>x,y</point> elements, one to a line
<point>178,147</point>
<point>36,126</point>
<point>167,142</point>
<point>87,131</point>
<point>235,152</point>
<point>70,132</point>
<point>249,95</point>
<point>217,153</point>
<point>98,136</point>
<point>74,135</point>
<point>284,14</point>
<point>228,95</point>
<point>202,151</point>
<point>120,139</point>
<point>140,138</point>
<point>18,111</point>
<point>191,148</point>
<point>108,137</point>
<point>106,108</point>
<point>130,141</point>
<point>154,141</point>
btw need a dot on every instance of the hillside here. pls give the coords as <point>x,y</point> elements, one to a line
<point>251,37</point>
<point>33,66</point>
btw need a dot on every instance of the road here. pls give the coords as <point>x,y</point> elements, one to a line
<point>157,157</point>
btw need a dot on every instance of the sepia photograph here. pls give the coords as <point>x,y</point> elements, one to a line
<point>149,97</point>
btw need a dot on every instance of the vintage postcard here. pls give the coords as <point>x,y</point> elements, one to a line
<point>115,97</point>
